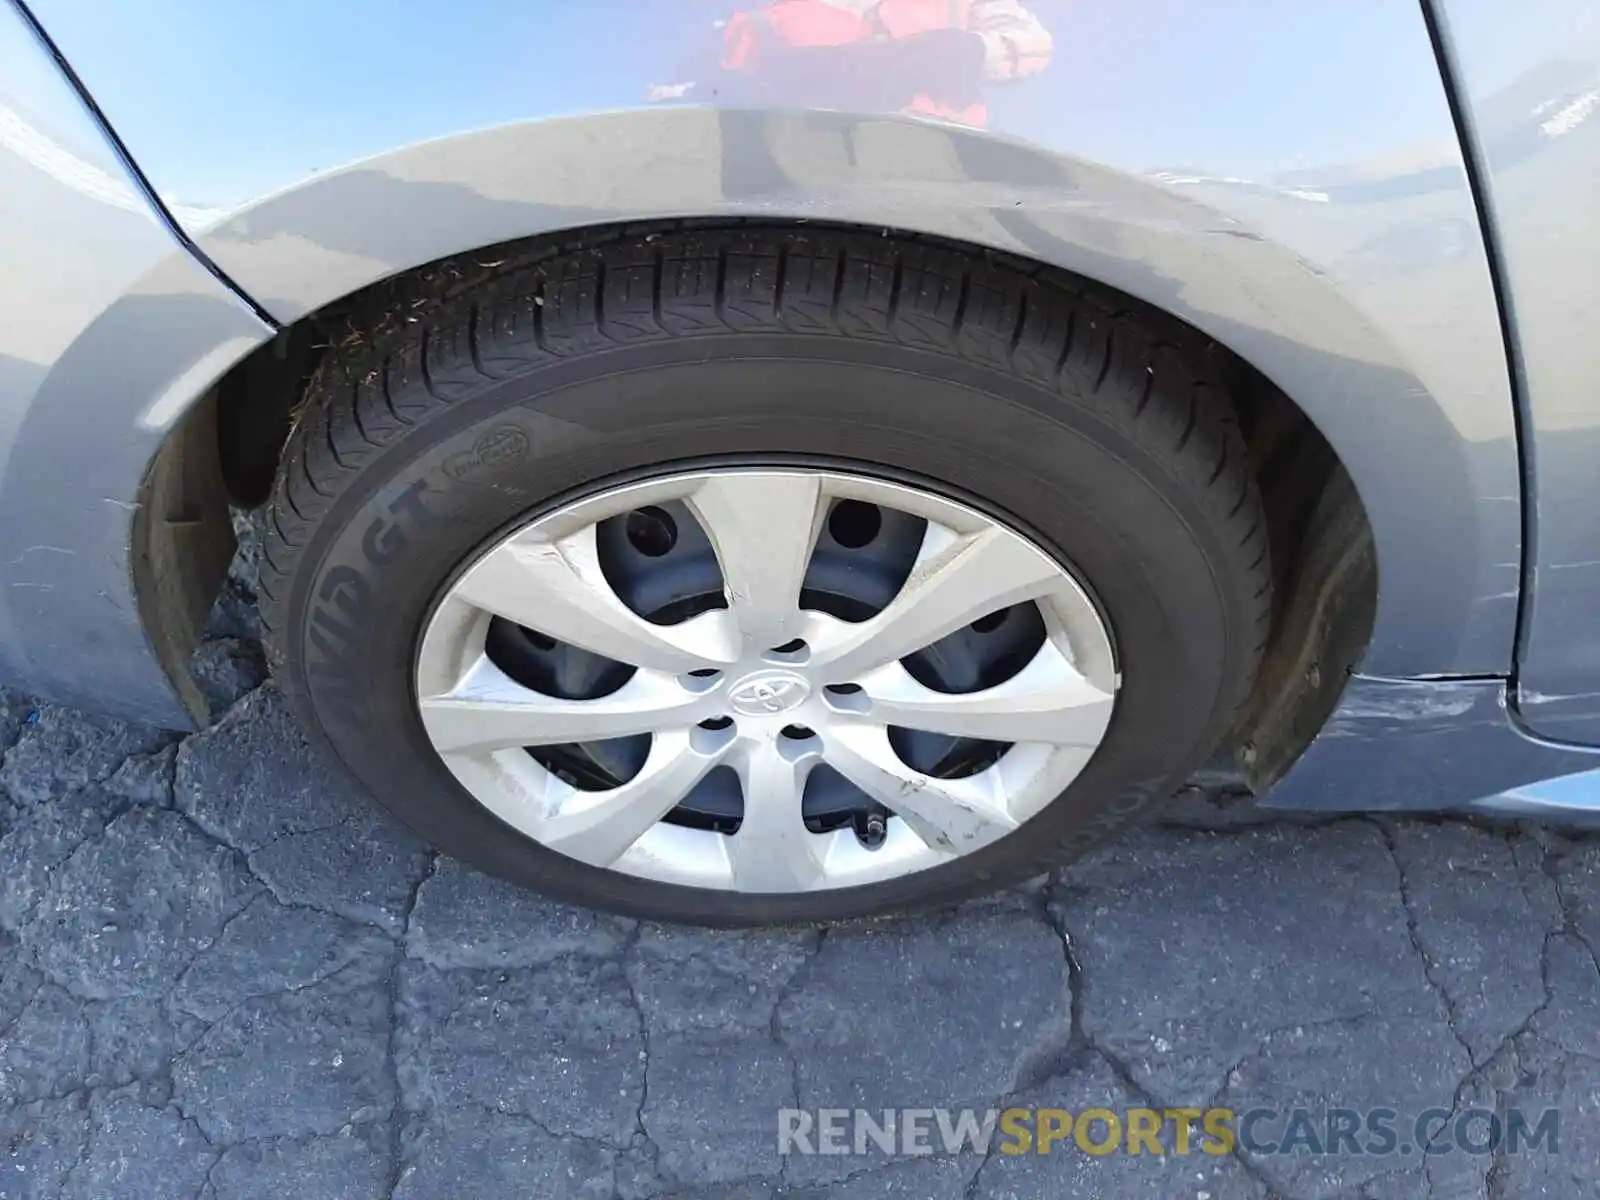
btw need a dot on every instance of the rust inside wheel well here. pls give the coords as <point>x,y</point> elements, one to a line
<point>1324,566</point>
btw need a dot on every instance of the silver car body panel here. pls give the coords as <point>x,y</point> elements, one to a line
<point>1416,745</point>
<point>1531,83</point>
<point>109,330</point>
<point>1286,177</point>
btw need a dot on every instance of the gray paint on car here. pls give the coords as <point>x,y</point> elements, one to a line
<point>114,334</point>
<point>1531,82</point>
<point>1285,177</point>
<point>1415,745</point>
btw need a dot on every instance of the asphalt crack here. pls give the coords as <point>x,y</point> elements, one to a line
<point>1430,970</point>
<point>641,1129</point>
<point>791,985</point>
<point>399,1112</point>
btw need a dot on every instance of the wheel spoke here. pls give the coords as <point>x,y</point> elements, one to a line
<point>957,579</point>
<point>599,827</point>
<point>490,711</point>
<point>1046,701</point>
<point>557,588</point>
<point>764,527</point>
<point>951,815</point>
<point>773,851</point>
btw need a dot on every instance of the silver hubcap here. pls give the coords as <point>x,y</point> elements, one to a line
<point>766,688</point>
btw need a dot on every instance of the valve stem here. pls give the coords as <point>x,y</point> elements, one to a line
<point>872,828</point>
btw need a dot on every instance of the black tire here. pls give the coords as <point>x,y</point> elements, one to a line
<point>467,399</point>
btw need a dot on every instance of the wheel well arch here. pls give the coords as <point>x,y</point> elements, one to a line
<point>1325,567</point>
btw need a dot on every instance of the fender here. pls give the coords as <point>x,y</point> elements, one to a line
<point>117,334</point>
<point>1284,178</point>
<point>1433,459</point>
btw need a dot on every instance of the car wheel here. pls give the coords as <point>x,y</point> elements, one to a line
<point>755,576</point>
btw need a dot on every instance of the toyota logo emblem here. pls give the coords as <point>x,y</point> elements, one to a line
<point>768,693</point>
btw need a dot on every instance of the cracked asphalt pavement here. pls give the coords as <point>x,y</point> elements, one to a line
<point>223,974</point>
